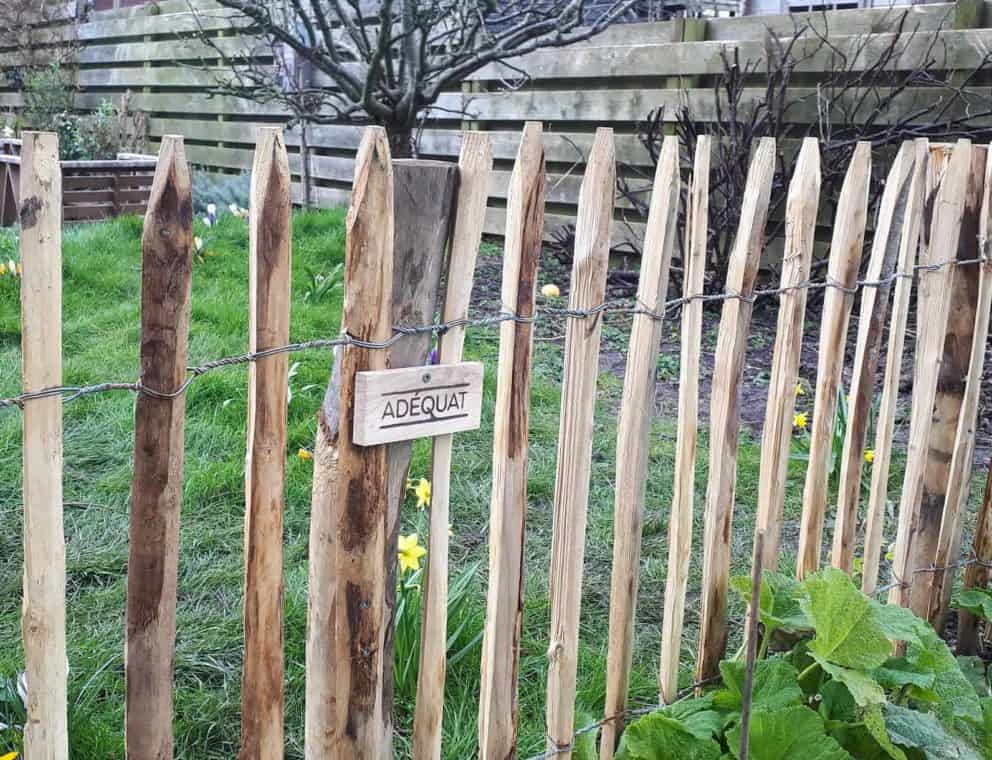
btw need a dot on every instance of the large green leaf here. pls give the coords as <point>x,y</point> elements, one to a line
<point>848,632</point>
<point>795,732</point>
<point>660,737</point>
<point>922,731</point>
<point>977,601</point>
<point>956,697</point>
<point>875,724</point>
<point>775,685</point>
<point>698,716</point>
<point>863,687</point>
<point>899,623</point>
<point>779,601</point>
<point>900,671</point>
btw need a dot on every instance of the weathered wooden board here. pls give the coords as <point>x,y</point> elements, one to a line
<point>417,402</point>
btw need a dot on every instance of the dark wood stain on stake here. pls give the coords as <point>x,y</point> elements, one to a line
<point>158,458</point>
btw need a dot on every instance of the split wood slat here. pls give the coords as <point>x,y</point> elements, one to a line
<point>910,213</point>
<point>940,244</point>
<point>776,438</point>
<point>735,326</point>
<point>951,390</point>
<point>269,274</point>
<point>842,270</point>
<point>871,324</point>
<point>157,484</point>
<point>43,611</point>
<point>977,574</point>
<point>580,371</point>
<point>977,280</point>
<point>474,166</point>
<point>423,204</point>
<point>498,707</point>
<point>684,486</point>
<point>634,427</point>
<point>350,493</point>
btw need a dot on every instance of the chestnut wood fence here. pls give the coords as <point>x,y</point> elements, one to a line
<point>930,253</point>
<point>616,78</point>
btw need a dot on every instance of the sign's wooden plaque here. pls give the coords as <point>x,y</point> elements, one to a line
<point>416,402</point>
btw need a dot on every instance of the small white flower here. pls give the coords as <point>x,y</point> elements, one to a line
<point>11,266</point>
<point>211,209</point>
<point>233,208</point>
<point>207,222</point>
<point>198,243</point>
<point>7,131</point>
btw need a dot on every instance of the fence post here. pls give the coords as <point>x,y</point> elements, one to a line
<point>474,167</point>
<point>684,486</point>
<point>735,325</point>
<point>776,437</point>
<point>580,370</point>
<point>845,260</point>
<point>345,625</point>
<point>270,235</point>
<point>498,709</point>
<point>954,369</point>
<point>969,317</point>
<point>871,323</point>
<point>423,204</point>
<point>156,489</point>
<point>915,155</point>
<point>633,429</point>
<point>43,617</point>
<point>940,245</point>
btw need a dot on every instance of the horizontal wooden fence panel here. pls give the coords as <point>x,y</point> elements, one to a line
<point>616,78</point>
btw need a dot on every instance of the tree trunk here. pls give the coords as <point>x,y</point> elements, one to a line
<point>401,140</point>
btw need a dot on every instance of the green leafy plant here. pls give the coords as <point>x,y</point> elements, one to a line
<point>219,190</point>
<point>13,713</point>
<point>113,128</point>
<point>840,692</point>
<point>977,601</point>
<point>320,285</point>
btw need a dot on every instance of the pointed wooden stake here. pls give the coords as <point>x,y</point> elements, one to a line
<point>594,226</point>
<point>684,487</point>
<point>871,324</point>
<point>157,485</point>
<point>345,626</point>
<point>915,156</point>
<point>776,438</point>
<point>940,245</point>
<point>43,612</point>
<point>845,259</point>
<point>735,325</point>
<point>977,574</point>
<point>474,167</point>
<point>269,243</point>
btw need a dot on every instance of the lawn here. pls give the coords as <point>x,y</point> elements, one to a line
<point>101,331</point>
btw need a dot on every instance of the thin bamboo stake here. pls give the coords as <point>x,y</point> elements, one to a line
<point>269,243</point>
<point>684,486</point>
<point>751,646</point>
<point>940,244</point>
<point>871,324</point>
<point>634,427</point>
<point>977,575</point>
<point>594,225</point>
<point>43,616</point>
<point>959,480</point>
<point>345,627</point>
<point>474,167</point>
<point>845,258</point>
<point>776,438</point>
<point>909,239</point>
<point>157,485</point>
<point>735,325</point>
<point>498,708</point>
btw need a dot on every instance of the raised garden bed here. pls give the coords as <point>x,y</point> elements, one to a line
<point>90,189</point>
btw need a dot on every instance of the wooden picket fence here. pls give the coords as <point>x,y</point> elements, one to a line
<point>932,230</point>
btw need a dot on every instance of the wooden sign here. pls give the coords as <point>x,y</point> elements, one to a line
<point>416,402</point>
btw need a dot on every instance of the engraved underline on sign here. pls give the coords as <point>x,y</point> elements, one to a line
<point>426,390</point>
<point>424,421</point>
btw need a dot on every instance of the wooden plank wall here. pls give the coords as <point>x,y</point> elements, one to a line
<point>614,80</point>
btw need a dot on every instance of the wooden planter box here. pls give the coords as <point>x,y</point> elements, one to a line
<point>90,189</point>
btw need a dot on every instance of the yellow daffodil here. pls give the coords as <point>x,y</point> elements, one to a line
<point>799,421</point>
<point>3,269</point>
<point>869,456</point>
<point>304,455</point>
<point>550,291</point>
<point>410,553</point>
<point>800,391</point>
<point>423,493</point>
<point>9,756</point>
<point>890,555</point>
<point>20,269</point>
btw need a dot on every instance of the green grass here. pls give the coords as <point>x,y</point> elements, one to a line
<point>101,330</point>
